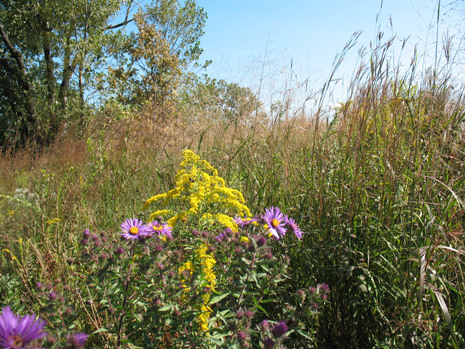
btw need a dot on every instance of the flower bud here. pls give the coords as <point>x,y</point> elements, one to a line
<point>119,251</point>
<point>241,336</point>
<point>280,329</point>
<point>268,343</point>
<point>249,314</point>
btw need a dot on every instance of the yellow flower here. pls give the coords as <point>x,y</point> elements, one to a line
<point>207,261</point>
<point>186,266</point>
<point>204,316</point>
<point>55,220</point>
<point>173,220</point>
<point>200,188</point>
<point>227,221</point>
<point>159,213</point>
<point>244,239</point>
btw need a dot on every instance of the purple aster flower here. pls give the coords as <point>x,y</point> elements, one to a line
<point>76,340</point>
<point>275,223</point>
<point>244,222</point>
<point>132,228</point>
<point>158,229</point>
<point>16,332</point>
<point>294,227</point>
<point>280,329</point>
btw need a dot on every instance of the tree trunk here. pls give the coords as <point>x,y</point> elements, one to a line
<point>19,75</point>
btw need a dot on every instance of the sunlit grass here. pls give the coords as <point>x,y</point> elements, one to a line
<point>379,190</point>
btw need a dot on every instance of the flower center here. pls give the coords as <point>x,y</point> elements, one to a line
<point>157,228</point>
<point>134,230</point>
<point>274,223</point>
<point>15,342</point>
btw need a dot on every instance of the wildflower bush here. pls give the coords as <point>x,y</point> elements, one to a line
<point>203,273</point>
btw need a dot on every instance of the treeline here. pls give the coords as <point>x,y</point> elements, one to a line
<point>63,61</point>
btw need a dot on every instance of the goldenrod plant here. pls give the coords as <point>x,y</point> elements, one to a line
<point>200,195</point>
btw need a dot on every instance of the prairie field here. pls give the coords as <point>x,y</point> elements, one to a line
<point>376,185</point>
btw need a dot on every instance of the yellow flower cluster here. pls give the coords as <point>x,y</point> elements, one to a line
<point>186,266</point>
<point>189,266</point>
<point>208,279</point>
<point>198,185</point>
<point>207,261</point>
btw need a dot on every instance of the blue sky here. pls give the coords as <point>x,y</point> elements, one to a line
<point>244,36</point>
<point>276,46</point>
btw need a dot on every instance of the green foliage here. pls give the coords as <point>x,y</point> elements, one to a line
<point>217,100</point>
<point>52,55</point>
<point>153,73</point>
<point>153,60</point>
<point>44,44</point>
<point>181,26</point>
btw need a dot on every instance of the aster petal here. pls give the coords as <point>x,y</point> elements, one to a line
<point>28,328</point>
<point>8,322</point>
<point>31,328</point>
<point>80,338</point>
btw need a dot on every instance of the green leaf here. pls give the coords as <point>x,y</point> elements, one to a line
<point>102,329</point>
<point>302,333</point>
<point>216,299</point>
<point>258,306</point>
<point>166,308</point>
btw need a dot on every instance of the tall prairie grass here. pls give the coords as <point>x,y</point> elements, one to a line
<point>378,187</point>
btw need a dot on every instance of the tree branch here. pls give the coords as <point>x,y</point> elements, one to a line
<point>120,24</point>
<point>16,55</point>
<point>22,82</point>
<point>126,20</point>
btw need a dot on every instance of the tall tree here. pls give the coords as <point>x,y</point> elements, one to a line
<point>42,44</point>
<point>165,45</point>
